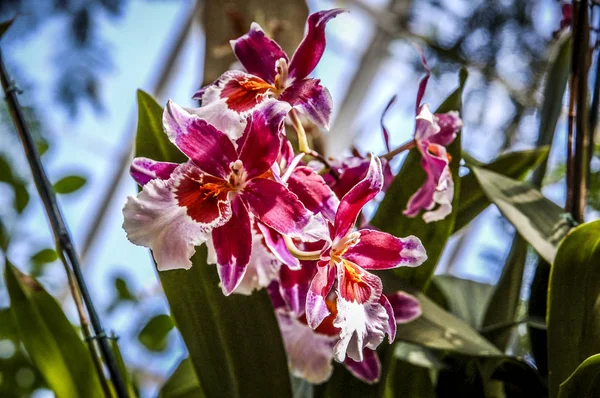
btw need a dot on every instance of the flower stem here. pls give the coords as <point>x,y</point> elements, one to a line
<point>404,147</point>
<point>64,242</point>
<point>300,254</point>
<point>302,139</point>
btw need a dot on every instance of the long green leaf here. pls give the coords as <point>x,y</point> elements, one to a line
<point>389,217</point>
<point>515,165</point>
<point>584,382</point>
<point>574,293</point>
<point>183,383</point>
<point>234,342</point>
<point>540,221</point>
<point>51,341</point>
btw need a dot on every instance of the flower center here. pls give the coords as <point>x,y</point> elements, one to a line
<point>281,67</point>
<point>341,246</point>
<point>237,178</point>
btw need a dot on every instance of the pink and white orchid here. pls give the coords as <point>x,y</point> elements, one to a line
<point>213,195</point>
<point>270,74</point>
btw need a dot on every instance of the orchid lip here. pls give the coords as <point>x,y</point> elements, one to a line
<point>339,248</point>
<point>238,176</point>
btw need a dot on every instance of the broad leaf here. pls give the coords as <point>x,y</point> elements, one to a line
<point>21,198</point>
<point>398,385</point>
<point>215,328</point>
<point>515,165</point>
<point>584,382</point>
<point>122,368</point>
<point>4,25</point>
<point>49,338</point>
<point>389,216</point>
<point>540,221</point>
<point>154,334</point>
<point>69,184</point>
<point>574,293</point>
<point>183,383</point>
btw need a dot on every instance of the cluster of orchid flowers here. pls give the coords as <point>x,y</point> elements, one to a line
<point>270,220</point>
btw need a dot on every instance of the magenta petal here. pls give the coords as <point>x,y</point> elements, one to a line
<point>276,245</point>
<point>309,52</point>
<point>261,141</point>
<point>368,370</point>
<point>233,254</point>
<point>380,250</point>
<point>143,170</point>
<point>449,124</point>
<point>406,307</point>
<point>258,53</point>
<point>391,329</point>
<point>210,149</point>
<point>423,82</point>
<point>294,285</point>
<point>313,192</point>
<point>275,206</point>
<point>312,99</point>
<point>386,134</point>
<point>320,286</point>
<point>353,202</point>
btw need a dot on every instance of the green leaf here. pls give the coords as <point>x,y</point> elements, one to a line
<point>151,140</point>
<point>4,26</point>
<point>183,383</point>
<point>584,382</point>
<point>44,256</point>
<point>520,378</point>
<point>154,334</point>
<point>19,186</point>
<point>467,299</point>
<point>420,385</point>
<point>51,341</point>
<point>515,165</point>
<point>537,219</point>
<point>389,216</point>
<point>122,368</point>
<point>573,297</point>
<point>217,329</point>
<point>69,184</point>
<point>502,307</point>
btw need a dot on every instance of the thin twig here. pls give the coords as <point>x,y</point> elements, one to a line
<point>404,147</point>
<point>64,243</point>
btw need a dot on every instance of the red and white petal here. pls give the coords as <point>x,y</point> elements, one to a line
<point>362,320</point>
<point>310,354</point>
<point>233,255</point>
<point>380,250</point>
<point>309,52</point>
<point>311,99</point>
<point>391,329</point>
<point>442,197</point>
<point>258,53</point>
<point>368,370</point>
<point>405,306</point>
<point>313,192</point>
<point>450,123</point>
<point>294,286</point>
<point>274,241</point>
<point>156,219</point>
<point>241,92</point>
<point>143,170</point>
<point>274,205</point>
<point>261,141</point>
<point>263,267</point>
<point>316,298</point>
<point>209,148</point>
<point>353,202</point>
<point>223,118</point>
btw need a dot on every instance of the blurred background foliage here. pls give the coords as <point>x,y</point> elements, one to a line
<point>73,62</point>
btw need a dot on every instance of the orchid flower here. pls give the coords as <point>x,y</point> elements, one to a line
<point>363,314</point>
<point>270,74</point>
<point>311,352</point>
<point>215,194</point>
<point>433,132</point>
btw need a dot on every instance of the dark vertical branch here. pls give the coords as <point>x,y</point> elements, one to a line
<point>595,107</point>
<point>64,243</point>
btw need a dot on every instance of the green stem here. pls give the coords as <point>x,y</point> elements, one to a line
<point>300,254</point>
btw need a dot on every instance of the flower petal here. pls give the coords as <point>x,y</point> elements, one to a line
<point>233,255</point>
<point>316,298</point>
<point>380,250</point>
<point>450,123</point>
<point>313,192</point>
<point>294,285</point>
<point>261,141</point>
<point>143,170</point>
<point>312,99</point>
<point>405,306</point>
<point>361,317</point>
<point>275,206</point>
<point>262,269</point>
<point>353,202</point>
<point>156,219</point>
<point>391,327</point>
<point>368,370</point>
<point>209,148</point>
<point>309,52</point>
<point>437,189</point>
<point>424,80</point>
<point>276,245</point>
<point>258,53</point>
<point>310,354</point>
